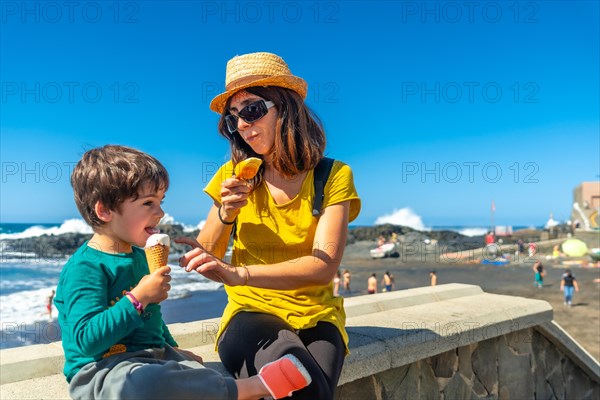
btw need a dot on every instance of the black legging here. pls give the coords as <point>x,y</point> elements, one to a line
<point>252,340</point>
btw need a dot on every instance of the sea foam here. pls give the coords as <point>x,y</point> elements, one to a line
<point>473,231</point>
<point>74,225</point>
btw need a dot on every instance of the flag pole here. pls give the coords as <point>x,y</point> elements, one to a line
<point>493,230</point>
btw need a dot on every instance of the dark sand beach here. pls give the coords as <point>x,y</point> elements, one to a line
<point>581,321</point>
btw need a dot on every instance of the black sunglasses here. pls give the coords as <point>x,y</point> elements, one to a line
<point>251,113</point>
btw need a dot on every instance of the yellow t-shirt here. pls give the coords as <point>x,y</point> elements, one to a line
<point>269,233</point>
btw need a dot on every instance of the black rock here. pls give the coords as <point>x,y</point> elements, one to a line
<point>410,235</point>
<point>46,247</point>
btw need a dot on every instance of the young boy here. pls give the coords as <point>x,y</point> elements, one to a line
<point>115,341</point>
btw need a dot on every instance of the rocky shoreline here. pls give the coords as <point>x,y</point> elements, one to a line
<point>51,247</point>
<point>64,245</point>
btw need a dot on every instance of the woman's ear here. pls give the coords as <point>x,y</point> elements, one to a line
<point>102,212</point>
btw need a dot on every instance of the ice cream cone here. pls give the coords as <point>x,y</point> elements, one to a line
<point>248,168</point>
<point>157,256</point>
<point>157,251</point>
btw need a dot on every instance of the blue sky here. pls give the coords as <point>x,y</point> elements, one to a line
<point>437,106</point>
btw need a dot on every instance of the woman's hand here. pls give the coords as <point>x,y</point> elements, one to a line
<point>211,267</point>
<point>234,196</point>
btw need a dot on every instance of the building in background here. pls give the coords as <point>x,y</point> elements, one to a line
<point>586,205</point>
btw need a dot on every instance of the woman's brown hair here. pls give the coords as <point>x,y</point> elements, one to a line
<point>299,136</point>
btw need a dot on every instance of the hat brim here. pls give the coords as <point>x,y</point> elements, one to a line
<point>292,82</point>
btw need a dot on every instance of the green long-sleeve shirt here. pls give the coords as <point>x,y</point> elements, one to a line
<point>95,314</point>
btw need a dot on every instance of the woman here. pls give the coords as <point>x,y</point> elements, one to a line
<point>567,284</point>
<point>279,282</point>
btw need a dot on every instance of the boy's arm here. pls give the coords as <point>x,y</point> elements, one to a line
<point>168,337</point>
<point>92,322</point>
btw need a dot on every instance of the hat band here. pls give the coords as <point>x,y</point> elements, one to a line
<point>244,81</point>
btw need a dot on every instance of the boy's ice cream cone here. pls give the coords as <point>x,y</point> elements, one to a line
<point>157,251</point>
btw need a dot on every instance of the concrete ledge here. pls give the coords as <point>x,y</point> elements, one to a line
<point>397,337</point>
<point>48,387</point>
<point>197,333</point>
<point>386,330</point>
<point>565,343</point>
<point>28,362</point>
<point>364,305</point>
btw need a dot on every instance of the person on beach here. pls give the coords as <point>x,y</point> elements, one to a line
<point>336,283</point>
<point>490,245</point>
<point>538,269</point>
<point>567,285</point>
<point>116,344</point>
<point>387,282</point>
<point>521,246</point>
<point>531,249</point>
<point>556,253</point>
<point>49,301</point>
<point>372,284</point>
<point>279,282</point>
<point>433,277</point>
<point>520,249</point>
<point>347,279</point>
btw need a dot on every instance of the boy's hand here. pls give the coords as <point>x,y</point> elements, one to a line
<point>191,355</point>
<point>153,288</point>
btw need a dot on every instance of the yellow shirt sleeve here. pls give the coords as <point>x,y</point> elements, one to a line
<point>340,187</point>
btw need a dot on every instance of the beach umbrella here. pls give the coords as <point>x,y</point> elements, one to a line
<point>574,248</point>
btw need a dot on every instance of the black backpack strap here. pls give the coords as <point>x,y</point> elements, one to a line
<point>321,174</point>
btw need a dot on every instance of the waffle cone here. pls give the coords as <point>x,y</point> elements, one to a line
<point>157,256</point>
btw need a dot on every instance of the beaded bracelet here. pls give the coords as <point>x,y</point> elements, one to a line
<point>138,306</point>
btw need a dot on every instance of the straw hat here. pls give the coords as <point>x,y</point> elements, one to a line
<point>257,69</point>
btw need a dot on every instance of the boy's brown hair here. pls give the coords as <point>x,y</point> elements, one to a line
<point>113,174</point>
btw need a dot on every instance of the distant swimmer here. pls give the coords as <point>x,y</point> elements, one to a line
<point>347,278</point>
<point>372,284</point>
<point>49,301</point>
<point>387,282</point>
<point>336,283</point>
<point>433,277</point>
